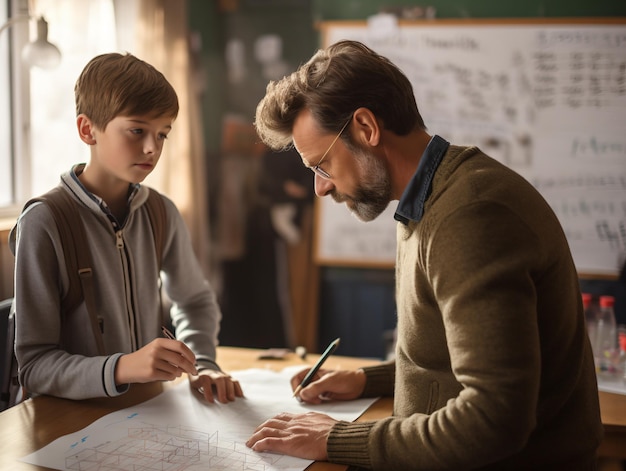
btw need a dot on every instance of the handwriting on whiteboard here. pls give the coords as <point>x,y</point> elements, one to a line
<point>549,101</point>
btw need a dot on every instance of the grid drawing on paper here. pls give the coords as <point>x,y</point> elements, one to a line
<point>170,448</point>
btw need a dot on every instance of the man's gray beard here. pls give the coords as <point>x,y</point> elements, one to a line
<point>373,194</point>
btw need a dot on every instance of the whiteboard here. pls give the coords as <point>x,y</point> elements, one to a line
<point>548,100</point>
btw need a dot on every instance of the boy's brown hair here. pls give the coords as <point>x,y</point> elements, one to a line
<point>115,84</point>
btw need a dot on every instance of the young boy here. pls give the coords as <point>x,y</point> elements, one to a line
<point>125,109</point>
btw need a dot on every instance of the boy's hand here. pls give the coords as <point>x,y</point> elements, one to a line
<point>216,385</point>
<point>160,360</point>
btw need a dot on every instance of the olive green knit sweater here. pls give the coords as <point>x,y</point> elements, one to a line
<point>493,366</point>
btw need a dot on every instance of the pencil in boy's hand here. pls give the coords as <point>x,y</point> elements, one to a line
<point>313,371</point>
<point>171,336</point>
<point>167,333</point>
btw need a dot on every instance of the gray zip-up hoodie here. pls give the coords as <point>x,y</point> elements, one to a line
<point>60,358</point>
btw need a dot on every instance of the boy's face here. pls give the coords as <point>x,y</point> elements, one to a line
<point>130,146</point>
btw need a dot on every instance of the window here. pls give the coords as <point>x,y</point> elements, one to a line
<point>6,166</point>
<point>45,142</point>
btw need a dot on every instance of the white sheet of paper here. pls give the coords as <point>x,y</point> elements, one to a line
<point>177,431</point>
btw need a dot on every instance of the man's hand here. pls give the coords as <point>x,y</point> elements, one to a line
<point>216,385</point>
<point>339,385</point>
<point>301,435</point>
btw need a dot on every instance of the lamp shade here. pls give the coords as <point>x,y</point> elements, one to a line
<point>41,53</point>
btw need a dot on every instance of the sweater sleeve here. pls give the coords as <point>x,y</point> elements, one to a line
<point>195,313</point>
<point>348,443</point>
<point>380,380</point>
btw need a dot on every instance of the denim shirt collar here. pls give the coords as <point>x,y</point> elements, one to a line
<point>411,205</point>
<point>133,188</point>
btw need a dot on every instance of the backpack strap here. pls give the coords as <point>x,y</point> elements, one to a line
<point>77,256</point>
<point>158,220</point>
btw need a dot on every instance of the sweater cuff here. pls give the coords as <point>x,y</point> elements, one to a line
<point>108,377</point>
<point>348,443</point>
<point>207,364</point>
<point>380,380</point>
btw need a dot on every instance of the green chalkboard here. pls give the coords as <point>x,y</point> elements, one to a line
<point>331,10</point>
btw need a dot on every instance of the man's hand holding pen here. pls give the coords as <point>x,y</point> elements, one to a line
<point>336,385</point>
<point>324,385</point>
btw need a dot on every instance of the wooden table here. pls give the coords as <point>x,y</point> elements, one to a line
<point>613,411</point>
<point>33,424</point>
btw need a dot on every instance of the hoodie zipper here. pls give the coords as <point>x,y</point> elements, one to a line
<point>119,238</point>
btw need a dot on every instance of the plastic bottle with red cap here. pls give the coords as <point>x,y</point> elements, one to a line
<point>621,338</point>
<point>591,318</point>
<point>606,347</point>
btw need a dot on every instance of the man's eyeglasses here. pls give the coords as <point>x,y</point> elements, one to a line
<point>316,168</point>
